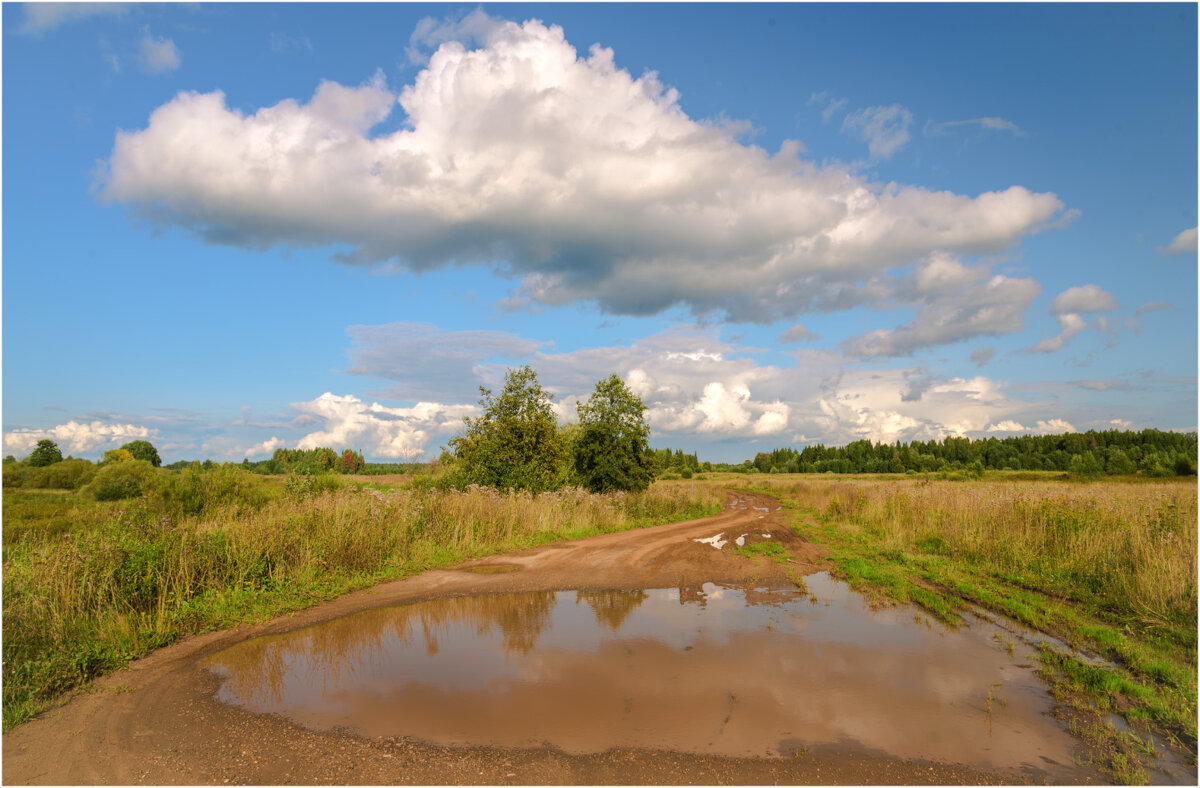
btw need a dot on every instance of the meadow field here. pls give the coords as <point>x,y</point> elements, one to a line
<point>1108,567</point>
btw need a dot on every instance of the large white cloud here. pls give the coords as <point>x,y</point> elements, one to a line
<point>567,172</point>
<point>377,430</point>
<point>953,302</point>
<point>76,437</point>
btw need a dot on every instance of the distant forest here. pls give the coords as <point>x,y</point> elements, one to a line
<point>1151,452</point>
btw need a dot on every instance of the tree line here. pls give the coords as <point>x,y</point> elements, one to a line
<point>1112,452</point>
<point>518,443</point>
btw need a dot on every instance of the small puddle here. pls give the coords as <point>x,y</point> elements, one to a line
<point>713,669</point>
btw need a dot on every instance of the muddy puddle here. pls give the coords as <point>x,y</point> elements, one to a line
<point>733,671</point>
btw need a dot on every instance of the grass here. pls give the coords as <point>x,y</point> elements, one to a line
<point>89,585</point>
<point>1108,567</point>
<point>769,550</point>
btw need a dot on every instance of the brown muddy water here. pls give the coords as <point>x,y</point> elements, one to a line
<point>731,671</point>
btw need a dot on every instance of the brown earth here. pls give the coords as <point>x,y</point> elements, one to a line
<point>159,723</point>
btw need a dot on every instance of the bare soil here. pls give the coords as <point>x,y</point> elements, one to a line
<point>159,723</point>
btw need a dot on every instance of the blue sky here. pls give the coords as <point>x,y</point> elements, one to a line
<point>230,228</point>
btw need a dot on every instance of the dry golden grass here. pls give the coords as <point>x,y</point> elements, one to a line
<point>1134,543</point>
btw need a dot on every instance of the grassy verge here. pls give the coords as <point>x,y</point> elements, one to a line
<point>1108,568</point>
<point>89,586</point>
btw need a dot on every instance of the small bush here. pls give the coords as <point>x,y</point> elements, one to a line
<point>196,492</point>
<point>120,480</point>
<point>14,475</point>
<point>299,486</point>
<point>70,474</point>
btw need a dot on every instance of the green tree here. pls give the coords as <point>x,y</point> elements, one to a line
<point>143,450</point>
<point>45,453</point>
<point>612,450</point>
<point>117,455</point>
<point>516,442</point>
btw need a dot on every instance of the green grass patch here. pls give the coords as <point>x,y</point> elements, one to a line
<point>770,550</point>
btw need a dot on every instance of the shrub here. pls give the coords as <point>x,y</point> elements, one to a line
<point>1184,466</point>
<point>120,480</point>
<point>196,492</point>
<point>70,474</point>
<point>300,486</point>
<point>117,455</point>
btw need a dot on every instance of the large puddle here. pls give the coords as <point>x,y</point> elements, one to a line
<point>709,669</point>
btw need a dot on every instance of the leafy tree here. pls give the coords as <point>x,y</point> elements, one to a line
<point>143,450</point>
<point>117,455</point>
<point>611,450</point>
<point>350,461</point>
<point>45,453</point>
<point>516,442</point>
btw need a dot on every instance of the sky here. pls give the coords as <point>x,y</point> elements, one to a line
<point>238,227</point>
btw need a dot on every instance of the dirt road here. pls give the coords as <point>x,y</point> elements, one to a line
<point>159,723</point>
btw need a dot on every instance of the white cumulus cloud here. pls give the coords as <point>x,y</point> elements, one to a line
<point>76,437</point>
<point>1070,324</point>
<point>377,430</point>
<point>267,447</point>
<point>1184,243</point>
<point>697,387</point>
<point>563,171</point>
<point>1088,298</point>
<point>953,302</point>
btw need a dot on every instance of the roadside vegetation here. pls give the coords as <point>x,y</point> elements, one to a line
<point>1107,567</point>
<point>89,584</point>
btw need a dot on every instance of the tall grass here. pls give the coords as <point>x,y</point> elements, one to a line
<point>1108,566</point>
<point>86,600</point>
<point>1133,545</point>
